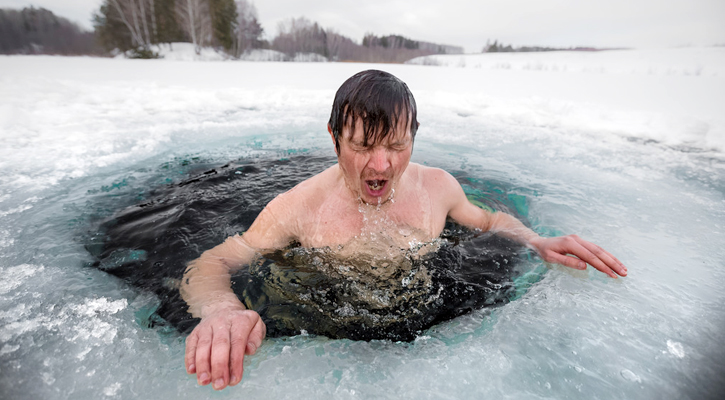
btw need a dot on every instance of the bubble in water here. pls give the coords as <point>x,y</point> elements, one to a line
<point>630,376</point>
<point>112,389</point>
<point>676,349</point>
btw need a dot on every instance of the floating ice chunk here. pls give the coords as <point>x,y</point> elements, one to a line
<point>8,349</point>
<point>112,389</point>
<point>82,354</point>
<point>48,378</point>
<point>5,239</point>
<point>100,305</point>
<point>630,376</point>
<point>13,277</point>
<point>85,330</point>
<point>675,348</point>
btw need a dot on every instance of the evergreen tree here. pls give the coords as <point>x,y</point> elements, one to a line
<point>168,29</point>
<point>224,21</point>
<point>111,33</point>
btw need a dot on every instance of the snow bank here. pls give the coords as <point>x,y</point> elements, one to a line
<point>653,62</point>
<point>263,55</point>
<point>273,55</point>
<point>187,52</point>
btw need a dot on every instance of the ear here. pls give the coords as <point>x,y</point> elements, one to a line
<point>334,142</point>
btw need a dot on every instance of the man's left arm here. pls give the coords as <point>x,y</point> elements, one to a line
<point>571,250</point>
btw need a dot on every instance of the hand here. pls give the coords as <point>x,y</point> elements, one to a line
<point>215,349</point>
<point>557,250</point>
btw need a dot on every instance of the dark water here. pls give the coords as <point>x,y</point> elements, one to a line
<point>148,244</point>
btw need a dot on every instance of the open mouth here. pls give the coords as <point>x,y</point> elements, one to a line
<point>376,187</point>
<point>376,184</point>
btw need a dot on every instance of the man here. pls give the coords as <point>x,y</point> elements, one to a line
<point>372,126</point>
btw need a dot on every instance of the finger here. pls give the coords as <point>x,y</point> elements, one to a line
<point>220,356</point>
<point>578,249</point>
<point>190,356</point>
<point>256,336</point>
<point>606,257</point>
<point>239,343</point>
<point>203,355</point>
<point>567,261</point>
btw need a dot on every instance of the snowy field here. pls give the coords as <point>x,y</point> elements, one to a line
<point>624,148</point>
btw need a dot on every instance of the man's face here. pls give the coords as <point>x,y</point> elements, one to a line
<point>373,171</point>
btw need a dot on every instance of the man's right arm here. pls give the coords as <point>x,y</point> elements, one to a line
<point>216,347</point>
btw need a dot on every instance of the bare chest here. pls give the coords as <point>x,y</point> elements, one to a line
<point>407,220</point>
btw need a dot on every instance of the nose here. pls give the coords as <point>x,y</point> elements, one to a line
<point>379,160</point>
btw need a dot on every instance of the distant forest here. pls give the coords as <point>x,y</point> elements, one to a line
<point>231,26</point>
<point>497,47</point>
<point>39,31</point>
<point>134,27</point>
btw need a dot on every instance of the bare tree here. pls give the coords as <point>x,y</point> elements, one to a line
<point>195,20</point>
<point>300,35</point>
<point>135,15</point>
<point>248,31</point>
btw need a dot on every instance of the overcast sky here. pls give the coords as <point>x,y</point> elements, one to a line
<point>469,23</point>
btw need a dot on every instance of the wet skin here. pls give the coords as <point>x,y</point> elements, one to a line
<point>331,209</point>
<point>371,172</point>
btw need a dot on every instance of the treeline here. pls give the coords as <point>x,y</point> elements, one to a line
<point>497,47</point>
<point>38,31</point>
<point>300,35</point>
<point>233,26</point>
<point>136,25</point>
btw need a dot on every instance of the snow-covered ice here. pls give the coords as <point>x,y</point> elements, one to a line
<point>625,148</point>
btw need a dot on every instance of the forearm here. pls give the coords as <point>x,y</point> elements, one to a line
<point>206,286</point>
<point>509,227</point>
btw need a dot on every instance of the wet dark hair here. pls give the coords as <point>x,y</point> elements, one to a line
<point>379,99</point>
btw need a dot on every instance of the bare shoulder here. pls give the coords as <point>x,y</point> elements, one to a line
<point>298,202</point>
<point>443,189</point>
<point>310,190</point>
<point>434,179</point>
